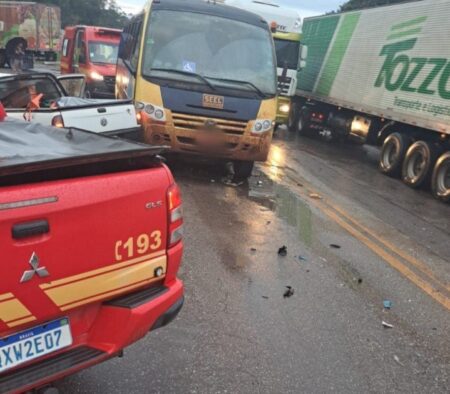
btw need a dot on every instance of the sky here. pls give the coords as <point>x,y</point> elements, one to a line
<point>306,7</point>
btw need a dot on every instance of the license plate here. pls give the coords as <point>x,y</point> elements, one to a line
<point>36,342</point>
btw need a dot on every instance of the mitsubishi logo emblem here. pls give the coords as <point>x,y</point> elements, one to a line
<point>34,262</point>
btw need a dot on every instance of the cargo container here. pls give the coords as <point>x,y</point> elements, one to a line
<point>36,26</point>
<point>381,76</point>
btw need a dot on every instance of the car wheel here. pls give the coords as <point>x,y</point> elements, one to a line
<point>440,181</point>
<point>392,154</point>
<point>418,164</point>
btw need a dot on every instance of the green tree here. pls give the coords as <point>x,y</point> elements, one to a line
<point>360,4</point>
<point>89,12</point>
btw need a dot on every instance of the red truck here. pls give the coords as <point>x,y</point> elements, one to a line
<point>36,26</point>
<point>91,242</point>
<point>92,51</point>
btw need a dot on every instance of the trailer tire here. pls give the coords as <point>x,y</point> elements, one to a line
<point>392,154</point>
<point>293,118</point>
<point>243,169</point>
<point>440,180</point>
<point>418,164</point>
<point>302,125</point>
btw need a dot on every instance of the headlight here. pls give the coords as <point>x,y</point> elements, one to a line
<point>261,126</point>
<point>96,76</point>
<point>155,112</point>
<point>285,108</point>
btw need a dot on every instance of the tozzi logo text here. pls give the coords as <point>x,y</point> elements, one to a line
<point>422,75</point>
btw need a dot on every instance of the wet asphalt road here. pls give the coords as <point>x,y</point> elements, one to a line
<point>237,333</point>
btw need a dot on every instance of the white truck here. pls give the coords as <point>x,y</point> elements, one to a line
<point>381,76</point>
<point>59,101</point>
<point>286,25</point>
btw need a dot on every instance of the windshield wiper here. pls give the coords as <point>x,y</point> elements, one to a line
<point>237,81</point>
<point>188,73</point>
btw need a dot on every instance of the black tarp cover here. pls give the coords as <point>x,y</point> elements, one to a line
<point>27,147</point>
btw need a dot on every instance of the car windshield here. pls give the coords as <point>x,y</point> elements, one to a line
<point>287,53</point>
<point>221,50</point>
<point>103,52</point>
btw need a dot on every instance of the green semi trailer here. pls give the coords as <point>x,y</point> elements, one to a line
<point>381,76</point>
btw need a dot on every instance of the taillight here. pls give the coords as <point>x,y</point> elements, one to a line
<point>175,215</point>
<point>58,121</point>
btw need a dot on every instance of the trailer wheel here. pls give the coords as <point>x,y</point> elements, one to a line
<point>440,181</point>
<point>392,154</point>
<point>293,118</point>
<point>418,164</point>
<point>303,125</point>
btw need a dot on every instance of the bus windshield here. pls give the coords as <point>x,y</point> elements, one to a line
<point>218,50</point>
<point>287,53</point>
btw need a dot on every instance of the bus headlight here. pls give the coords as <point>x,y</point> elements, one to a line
<point>155,112</point>
<point>285,108</point>
<point>261,126</point>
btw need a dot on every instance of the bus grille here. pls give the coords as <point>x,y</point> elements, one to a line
<point>193,122</point>
<point>284,86</point>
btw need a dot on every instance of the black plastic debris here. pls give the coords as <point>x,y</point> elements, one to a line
<point>265,297</point>
<point>335,246</point>
<point>253,250</point>
<point>289,292</point>
<point>282,251</point>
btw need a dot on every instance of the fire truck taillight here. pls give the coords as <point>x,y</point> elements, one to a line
<point>175,215</point>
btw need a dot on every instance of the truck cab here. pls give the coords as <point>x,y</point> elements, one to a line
<point>286,24</point>
<point>92,51</point>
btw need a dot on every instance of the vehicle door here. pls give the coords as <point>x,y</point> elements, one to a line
<point>74,85</point>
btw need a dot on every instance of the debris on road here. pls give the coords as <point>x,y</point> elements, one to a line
<point>360,281</point>
<point>253,249</point>
<point>301,258</point>
<point>335,246</point>
<point>397,360</point>
<point>265,297</point>
<point>282,251</point>
<point>213,181</point>
<point>387,304</point>
<point>387,325</point>
<point>315,196</point>
<point>289,292</point>
<point>259,183</point>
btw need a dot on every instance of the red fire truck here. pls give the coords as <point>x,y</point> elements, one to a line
<point>92,51</point>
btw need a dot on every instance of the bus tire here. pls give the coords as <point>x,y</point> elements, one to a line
<point>243,169</point>
<point>392,154</point>
<point>440,180</point>
<point>418,164</point>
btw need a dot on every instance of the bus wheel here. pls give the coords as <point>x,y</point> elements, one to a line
<point>243,169</point>
<point>418,164</point>
<point>440,181</point>
<point>392,154</point>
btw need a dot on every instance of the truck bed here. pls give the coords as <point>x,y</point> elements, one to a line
<point>32,148</point>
